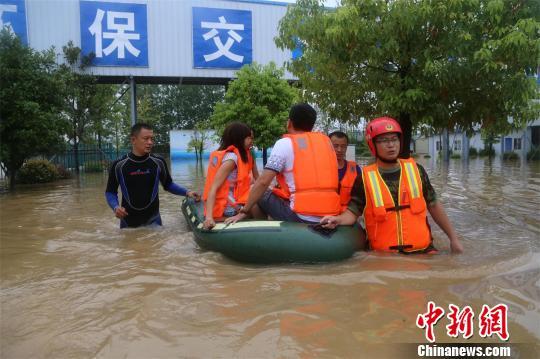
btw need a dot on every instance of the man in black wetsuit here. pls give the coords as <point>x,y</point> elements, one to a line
<point>138,174</point>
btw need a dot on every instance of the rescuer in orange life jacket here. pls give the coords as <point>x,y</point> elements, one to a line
<point>394,195</point>
<point>305,165</point>
<point>347,170</point>
<point>229,174</point>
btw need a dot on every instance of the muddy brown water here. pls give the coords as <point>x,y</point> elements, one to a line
<point>74,285</point>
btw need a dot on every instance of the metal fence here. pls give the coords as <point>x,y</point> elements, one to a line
<point>93,158</point>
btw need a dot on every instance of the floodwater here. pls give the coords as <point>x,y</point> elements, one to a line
<point>74,285</point>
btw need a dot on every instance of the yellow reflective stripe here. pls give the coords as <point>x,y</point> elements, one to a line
<point>375,189</point>
<point>411,178</point>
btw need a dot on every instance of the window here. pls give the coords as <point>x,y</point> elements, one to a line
<point>517,143</point>
<point>438,146</point>
<point>457,145</point>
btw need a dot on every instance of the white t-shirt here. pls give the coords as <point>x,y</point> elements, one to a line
<point>234,173</point>
<point>281,160</point>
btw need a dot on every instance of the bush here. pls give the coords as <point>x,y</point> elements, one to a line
<point>94,167</point>
<point>473,152</point>
<point>534,154</point>
<point>62,172</point>
<point>487,152</point>
<point>427,156</point>
<point>455,155</point>
<point>37,171</point>
<point>510,156</point>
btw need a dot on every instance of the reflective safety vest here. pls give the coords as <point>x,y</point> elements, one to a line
<point>241,189</point>
<point>315,176</point>
<point>399,227</point>
<point>346,184</point>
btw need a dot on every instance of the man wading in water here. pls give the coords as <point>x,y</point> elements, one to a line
<point>138,174</point>
<point>395,196</point>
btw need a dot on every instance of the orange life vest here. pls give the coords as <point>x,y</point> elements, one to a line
<point>241,189</point>
<point>396,227</point>
<point>346,184</point>
<point>315,176</point>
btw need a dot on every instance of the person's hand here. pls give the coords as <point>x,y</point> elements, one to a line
<point>120,212</point>
<point>455,246</point>
<point>330,222</point>
<point>240,216</point>
<point>194,195</point>
<point>209,223</point>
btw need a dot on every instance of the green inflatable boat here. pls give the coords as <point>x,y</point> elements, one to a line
<point>264,242</point>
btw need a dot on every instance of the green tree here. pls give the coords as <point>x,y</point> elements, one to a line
<point>30,101</point>
<point>181,106</point>
<point>120,118</point>
<point>491,135</point>
<point>435,62</point>
<point>101,121</point>
<point>86,103</point>
<point>199,139</point>
<point>260,98</point>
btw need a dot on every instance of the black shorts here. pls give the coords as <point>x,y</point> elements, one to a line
<point>278,208</point>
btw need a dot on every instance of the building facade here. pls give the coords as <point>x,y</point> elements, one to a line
<point>520,142</point>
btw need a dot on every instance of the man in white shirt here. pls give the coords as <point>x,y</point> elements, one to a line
<point>302,197</point>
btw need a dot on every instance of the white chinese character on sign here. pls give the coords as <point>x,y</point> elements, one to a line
<point>222,50</point>
<point>6,8</point>
<point>121,39</point>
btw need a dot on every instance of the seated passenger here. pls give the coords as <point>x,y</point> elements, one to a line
<point>306,169</point>
<point>229,174</point>
<point>347,170</point>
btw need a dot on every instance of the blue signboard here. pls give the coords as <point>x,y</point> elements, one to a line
<point>13,16</point>
<point>222,38</point>
<point>115,32</point>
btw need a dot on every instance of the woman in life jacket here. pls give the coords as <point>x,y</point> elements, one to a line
<point>229,174</point>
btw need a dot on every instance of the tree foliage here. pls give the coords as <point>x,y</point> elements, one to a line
<point>436,62</point>
<point>86,103</point>
<point>30,100</point>
<point>260,98</point>
<point>199,139</point>
<point>173,107</point>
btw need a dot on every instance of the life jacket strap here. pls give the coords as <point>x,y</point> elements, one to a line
<point>398,208</point>
<point>401,248</point>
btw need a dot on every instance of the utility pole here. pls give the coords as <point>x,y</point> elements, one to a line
<point>133,93</point>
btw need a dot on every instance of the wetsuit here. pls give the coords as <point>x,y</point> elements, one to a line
<point>139,178</point>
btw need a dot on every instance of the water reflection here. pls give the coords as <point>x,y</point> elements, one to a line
<point>74,285</point>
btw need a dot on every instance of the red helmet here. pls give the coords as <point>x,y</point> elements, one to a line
<point>378,127</point>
